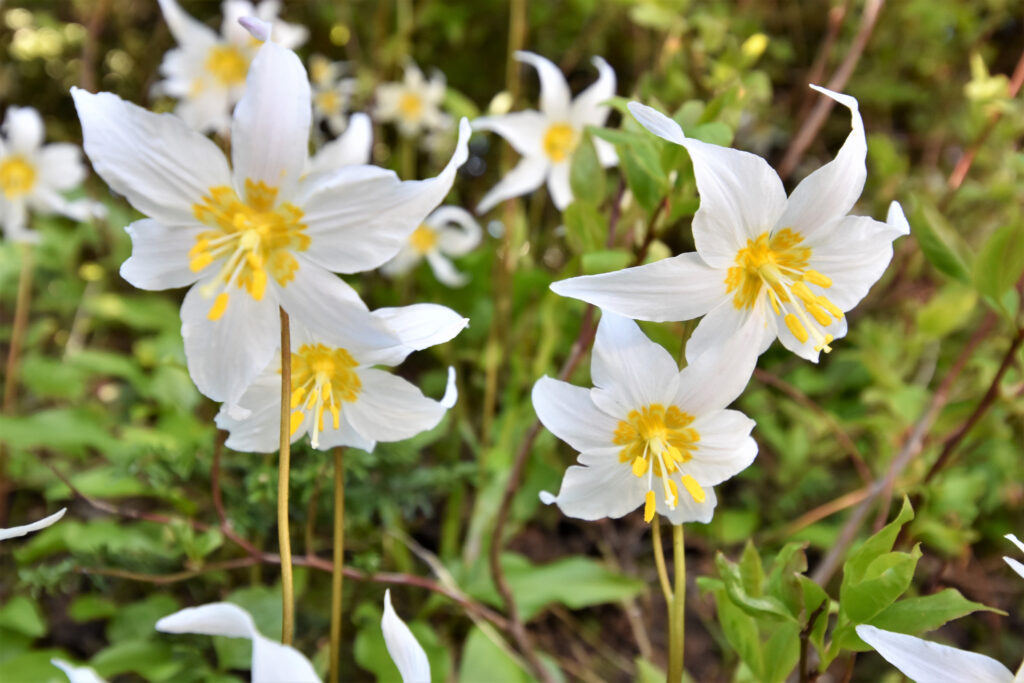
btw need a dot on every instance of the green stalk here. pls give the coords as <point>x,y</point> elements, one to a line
<point>21,305</point>
<point>283,467</point>
<point>337,570</point>
<point>677,610</point>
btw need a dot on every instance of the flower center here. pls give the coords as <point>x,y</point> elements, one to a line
<point>423,239</point>
<point>410,106</point>
<point>17,176</point>
<point>322,378</point>
<point>775,266</point>
<point>251,237</point>
<point>227,64</point>
<point>656,441</point>
<point>559,141</point>
<point>328,102</point>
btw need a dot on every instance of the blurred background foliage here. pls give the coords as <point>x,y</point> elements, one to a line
<point>108,422</point>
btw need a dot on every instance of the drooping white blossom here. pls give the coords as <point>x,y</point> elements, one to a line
<point>450,231</point>
<point>260,233</point>
<point>547,139</point>
<point>414,105</point>
<point>648,434</point>
<point>795,265</point>
<point>406,652</point>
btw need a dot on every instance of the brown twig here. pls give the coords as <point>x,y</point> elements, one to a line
<point>816,73</point>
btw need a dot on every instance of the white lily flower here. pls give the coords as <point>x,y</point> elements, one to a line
<point>272,662</point>
<point>794,265</point>
<point>448,231</point>
<point>257,234</point>
<point>414,105</point>
<point>77,674</point>
<point>646,430</point>
<point>331,93</point>
<point>403,647</point>
<point>338,397</point>
<point>18,531</point>
<point>546,139</point>
<point>33,176</point>
<point>207,71</point>
<point>351,148</point>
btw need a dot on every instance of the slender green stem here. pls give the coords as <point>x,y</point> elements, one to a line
<point>659,561</point>
<point>21,305</point>
<point>283,466</point>
<point>337,573</point>
<point>677,612</point>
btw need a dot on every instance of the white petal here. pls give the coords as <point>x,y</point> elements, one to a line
<point>451,390</point>
<point>677,288</point>
<point>444,270</point>
<point>405,650</point>
<point>568,413</point>
<point>525,177</point>
<point>927,662</point>
<point>225,355</point>
<point>18,531</point>
<point>603,488</point>
<point>363,216</point>
<point>657,123</point>
<point>60,166</point>
<point>270,131</point>
<point>232,11</point>
<point>832,190</point>
<point>896,220</point>
<point>77,674</point>
<point>259,430</point>
<point>156,161</point>
<point>687,509</point>
<point>554,91</point>
<point>725,322</point>
<point>1015,565</point>
<point>420,326</point>
<point>558,185</point>
<point>459,232</point>
<point>717,377</point>
<point>15,222</point>
<point>725,448</point>
<point>405,260</point>
<point>346,435</point>
<point>23,130</point>
<point>606,153</point>
<point>352,148</point>
<point>257,28</point>
<point>273,662</point>
<point>159,257</point>
<point>806,350</point>
<point>183,27</point>
<point>588,109</point>
<point>853,252</point>
<point>391,409</point>
<point>524,130</point>
<point>1012,538</point>
<point>628,369</point>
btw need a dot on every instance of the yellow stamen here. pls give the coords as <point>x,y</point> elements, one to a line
<point>639,467</point>
<point>329,376</point>
<point>227,64</point>
<point>816,278</point>
<point>17,176</point>
<point>693,488</point>
<point>649,503</point>
<point>675,492</point>
<point>820,314</point>
<point>423,239</point>
<point>774,299</point>
<point>796,328</point>
<point>830,307</point>
<point>220,304</point>
<point>410,107</point>
<point>296,421</point>
<point>559,142</point>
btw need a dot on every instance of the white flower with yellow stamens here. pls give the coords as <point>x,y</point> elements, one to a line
<point>449,231</point>
<point>414,105</point>
<point>258,234</point>
<point>648,434</point>
<point>338,397</point>
<point>207,71</point>
<point>351,148</point>
<point>546,139</point>
<point>331,93</point>
<point>33,176</point>
<point>793,264</point>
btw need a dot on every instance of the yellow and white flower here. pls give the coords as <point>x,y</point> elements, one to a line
<point>331,93</point>
<point>260,233</point>
<point>207,71</point>
<point>546,139</point>
<point>338,397</point>
<point>448,231</point>
<point>414,105</point>
<point>648,434</point>
<point>33,176</point>
<point>795,264</point>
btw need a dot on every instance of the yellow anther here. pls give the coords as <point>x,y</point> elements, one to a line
<point>199,262</point>
<point>259,284</point>
<point>675,493</point>
<point>639,466</point>
<point>296,421</point>
<point>649,503</point>
<point>201,245</point>
<point>796,328</point>
<point>774,299</point>
<point>802,292</point>
<point>17,176</point>
<point>830,307</point>
<point>297,394</point>
<point>816,278</point>
<point>824,345</point>
<point>820,314</point>
<point>410,106</point>
<point>423,239</point>
<point>220,304</point>
<point>559,142</point>
<point>693,488</point>
<point>227,64</point>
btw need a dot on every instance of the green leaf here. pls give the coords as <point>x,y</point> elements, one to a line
<point>1000,262</point>
<point>941,245</point>
<point>586,175</point>
<point>586,227</point>
<point>137,620</point>
<point>887,578</point>
<point>754,605</point>
<point>482,660</point>
<point>89,607</point>
<point>781,652</point>
<point>22,615</point>
<point>605,261</point>
<point>856,566</point>
<point>715,133</point>
<point>35,666</point>
<point>741,631</point>
<point>151,659</point>
<point>947,311</point>
<point>645,177</point>
<point>750,570</point>
<point>574,581</point>
<point>927,612</point>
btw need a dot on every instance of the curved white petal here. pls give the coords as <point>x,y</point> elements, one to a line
<point>391,409</point>
<point>406,652</point>
<point>420,326</point>
<point>657,123</point>
<point>361,217</point>
<point>558,185</point>
<point>184,28</point>
<point>832,190</point>
<point>259,430</point>
<point>554,90</point>
<point>525,177</point>
<point>725,322</point>
<point>270,131</point>
<point>588,109</point>
<point>717,377</point>
<point>677,288</point>
<point>604,487</point>
<point>14,215</point>
<point>159,257</point>
<point>458,232</point>
<point>806,350</point>
<point>927,662</point>
<point>77,674</point>
<point>853,252</point>
<point>352,148</point>
<point>629,371</point>
<point>524,130</point>
<point>444,270</point>
<point>23,130</point>
<point>568,413</point>
<point>18,531</point>
<point>405,260</point>
<point>687,509</point>
<point>346,435</point>
<point>60,166</point>
<point>725,448</point>
<point>156,161</point>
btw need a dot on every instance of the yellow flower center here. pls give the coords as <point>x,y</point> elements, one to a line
<point>17,176</point>
<point>656,441</point>
<point>227,64</point>
<point>776,266</point>
<point>328,102</point>
<point>559,142</point>
<point>253,238</point>
<point>423,239</point>
<point>410,106</point>
<point>322,378</point>
<point>319,69</point>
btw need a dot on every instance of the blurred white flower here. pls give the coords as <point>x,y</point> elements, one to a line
<point>546,139</point>
<point>33,176</point>
<point>77,674</point>
<point>794,265</point>
<point>260,233</point>
<point>448,231</point>
<point>338,397</point>
<point>351,148</point>
<point>646,430</point>
<point>331,93</point>
<point>414,105</point>
<point>207,71</point>
<point>405,650</point>
<point>15,532</point>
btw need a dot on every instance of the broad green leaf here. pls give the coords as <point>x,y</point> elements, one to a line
<point>573,581</point>
<point>34,666</point>
<point>754,605</point>
<point>89,607</point>
<point>781,652</point>
<point>151,659</point>
<point>1000,262</point>
<point>941,245</point>
<point>645,177</point>
<point>741,631</point>
<point>22,615</point>
<point>856,565</point>
<point>927,612</point>
<point>136,620</point>
<point>750,571</point>
<point>586,227</point>
<point>886,579</point>
<point>586,176</point>
<point>482,660</point>
<point>947,311</point>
